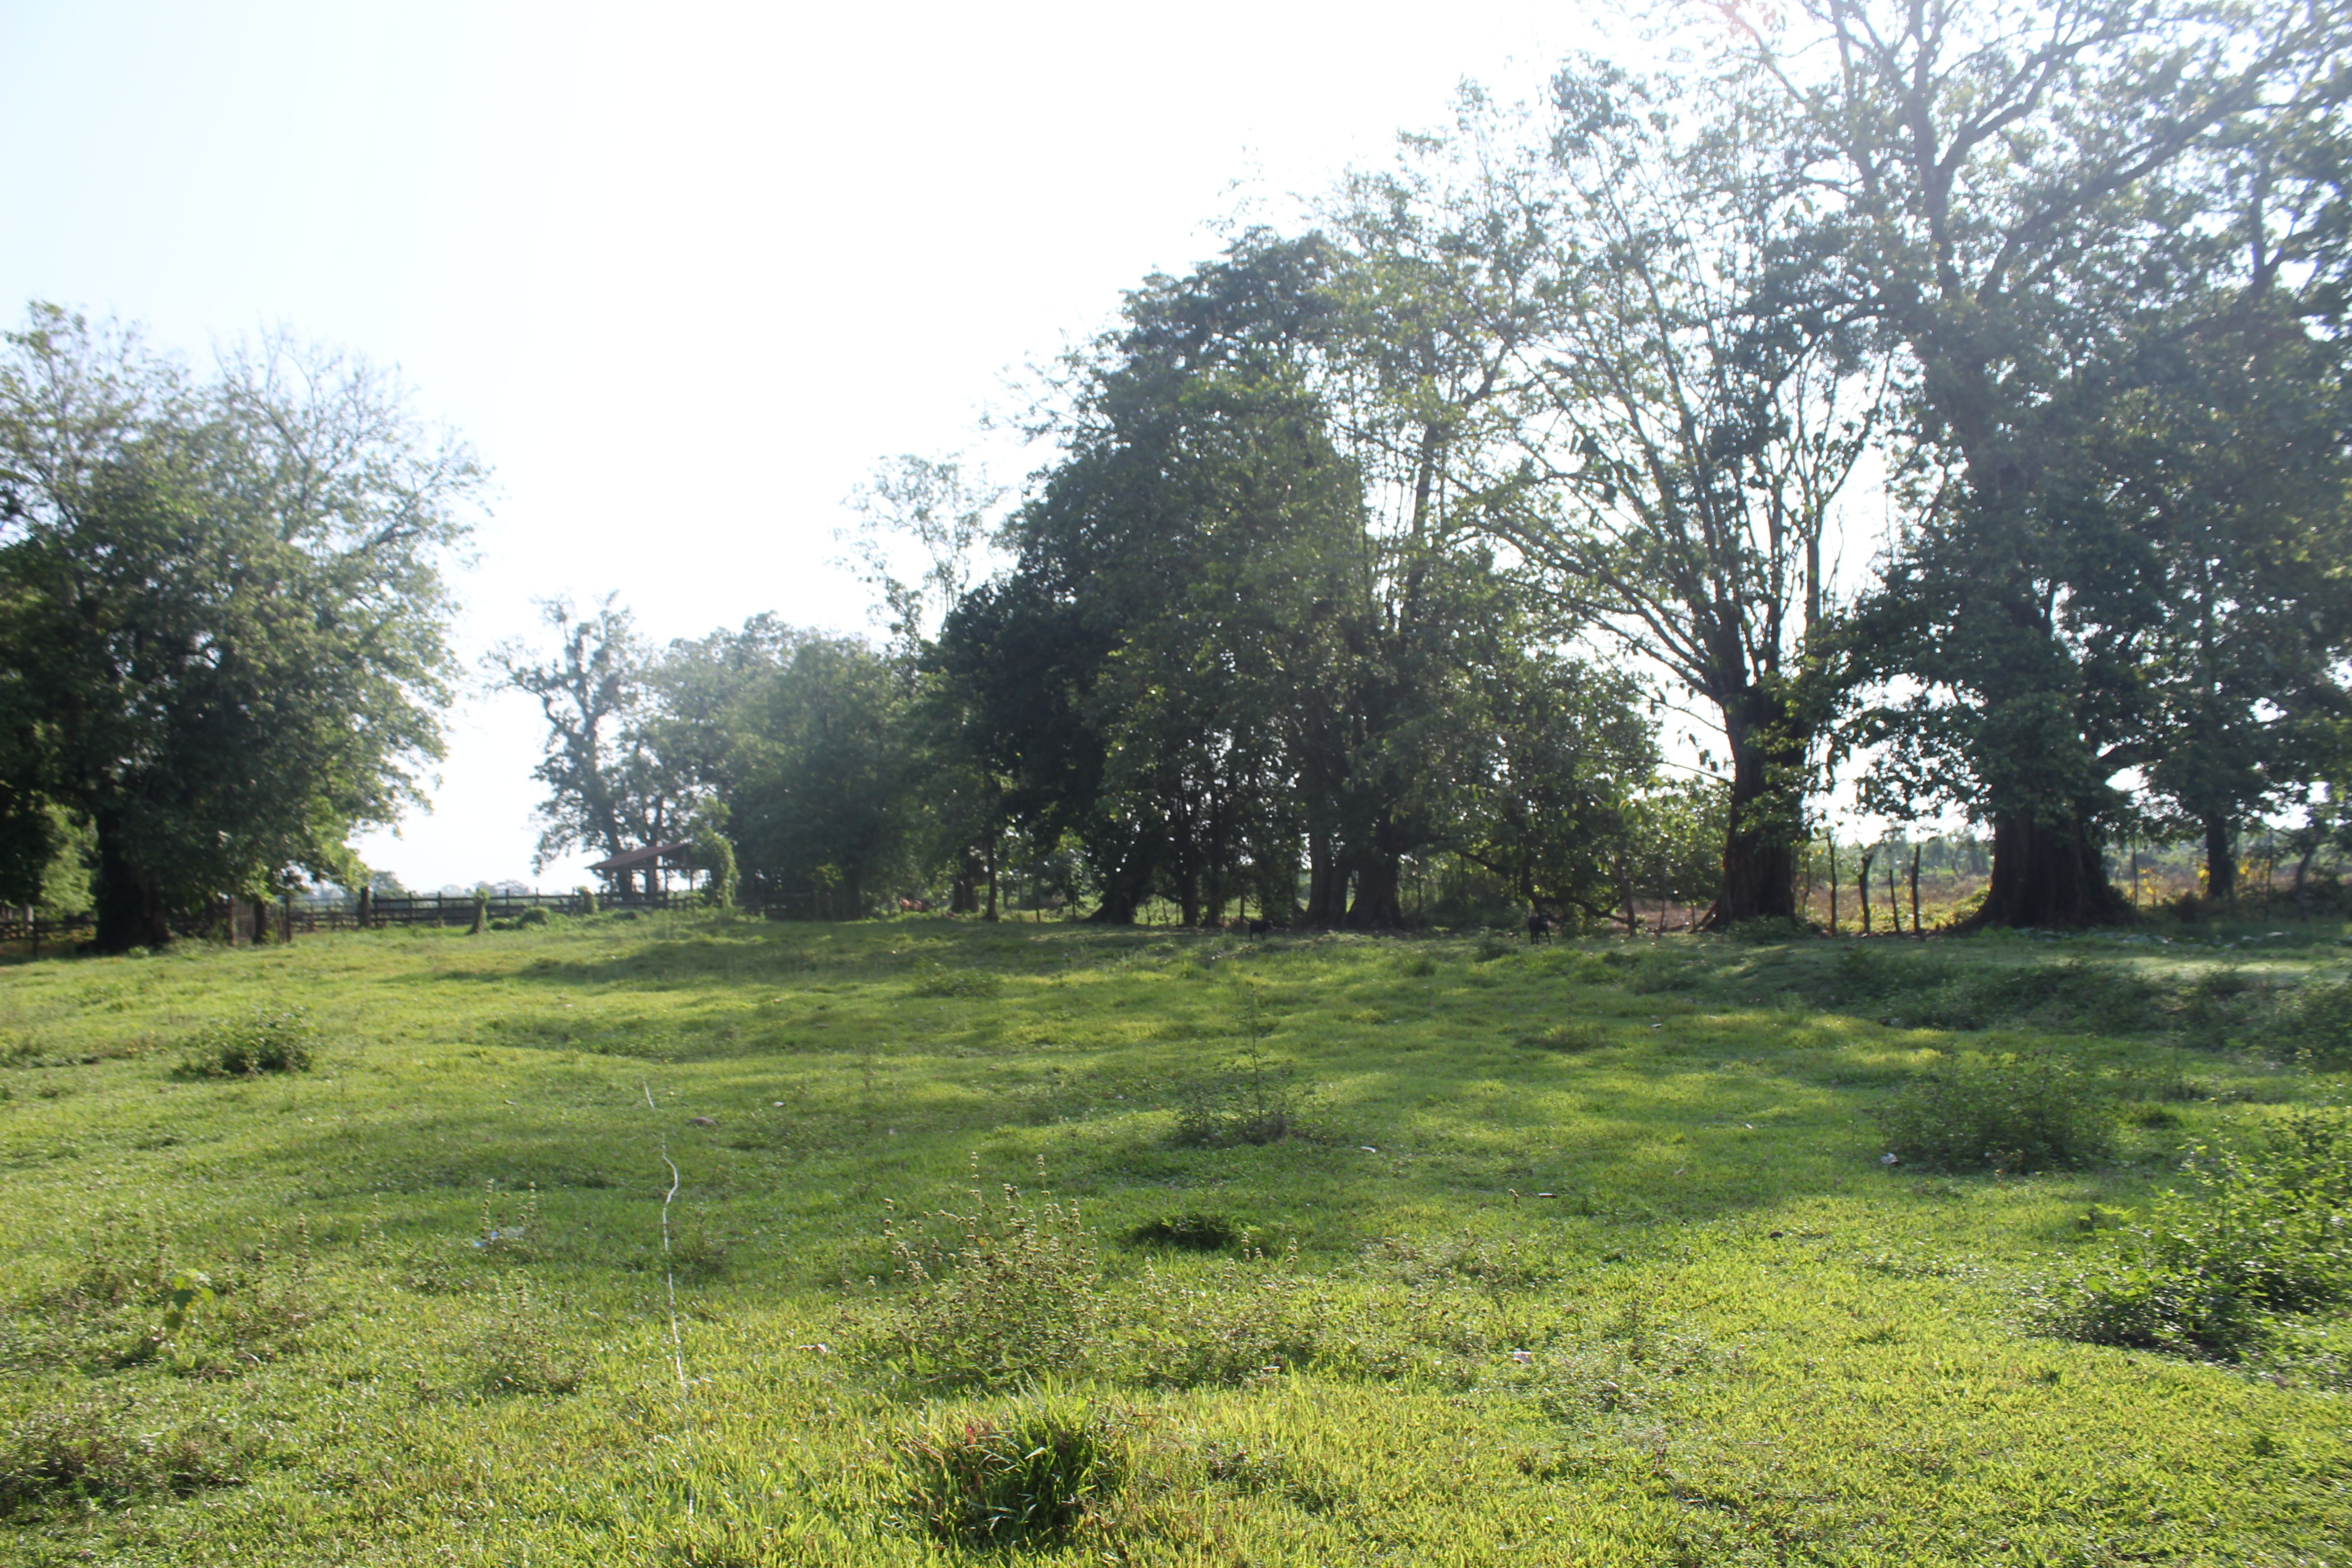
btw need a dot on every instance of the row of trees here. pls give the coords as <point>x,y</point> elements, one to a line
<point>1360,544</point>
<point>1388,541</point>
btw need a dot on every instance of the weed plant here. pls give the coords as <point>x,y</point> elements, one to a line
<point>1191,1232</point>
<point>2012,1111</point>
<point>266,1039</point>
<point>1009,1295</point>
<point>1256,1102</point>
<point>521,1349</point>
<point>2266,1229</point>
<point>107,1452</point>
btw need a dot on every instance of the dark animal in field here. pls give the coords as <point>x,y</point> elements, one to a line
<point>1259,927</point>
<point>1538,925</point>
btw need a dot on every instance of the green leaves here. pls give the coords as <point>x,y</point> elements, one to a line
<point>222,619</point>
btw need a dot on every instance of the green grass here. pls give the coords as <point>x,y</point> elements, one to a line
<point>1578,1254</point>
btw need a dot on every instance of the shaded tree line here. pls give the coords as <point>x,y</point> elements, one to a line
<point>1950,398</point>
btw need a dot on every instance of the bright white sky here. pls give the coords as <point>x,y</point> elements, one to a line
<point>681,273</point>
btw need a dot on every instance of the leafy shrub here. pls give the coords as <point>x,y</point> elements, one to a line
<point>2213,1007</point>
<point>1036,1475</point>
<point>1253,1472</point>
<point>1927,990</point>
<point>1191,1232</point>
<point>2008,1112</point>
<point>2266,1232</point>
<point>1013,1295</point>
<point>267,1040</point>
<point>98,1453</point>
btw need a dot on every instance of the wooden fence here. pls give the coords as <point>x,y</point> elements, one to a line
<point>304,917</point>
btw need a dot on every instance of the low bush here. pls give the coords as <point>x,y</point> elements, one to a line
<point>931,980</point>
<point>1034,1476</point>
<point>2215,1006</point>
<point>2265,1231</point>
<point>1012,1294</point>
<point>267,1040</point>
<point>2008,1112</point>
<point>1229,1325</point>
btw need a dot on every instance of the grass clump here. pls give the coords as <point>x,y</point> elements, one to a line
<point>266,1039</point>
<point>2009,1113</point>
<point>96,1453</point>
<point>1036,1475</point>
<point>1013,1295</point>
<point>2319,1018</point>
<point>1191,1232</point>
<point>2269,1230</point>
<point>936,980</point>
<point>1566,1038</point>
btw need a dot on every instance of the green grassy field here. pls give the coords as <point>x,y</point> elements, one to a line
<point>1578,1254</point>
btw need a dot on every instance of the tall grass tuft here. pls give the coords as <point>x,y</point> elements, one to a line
<point>94,1453</point>
<point>1036,1475</point>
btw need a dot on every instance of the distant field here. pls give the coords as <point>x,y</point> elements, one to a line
<point>1582,1253</point>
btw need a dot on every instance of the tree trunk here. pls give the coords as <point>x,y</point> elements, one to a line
<point>2221,860</point>
<point>1327,884</point>
<point>1759,851</point>
<point>963,889</point>
<point>1122,895</point>
<point>1861,889</point>
<point>2044,874</point>
<point>130,906</point>
<point>1380,875</point>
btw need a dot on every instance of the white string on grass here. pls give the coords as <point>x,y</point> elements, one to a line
<point>669,1276</point>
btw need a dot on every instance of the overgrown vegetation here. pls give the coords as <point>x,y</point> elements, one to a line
<point>2264,1230</point>
<point>2007,1112</point>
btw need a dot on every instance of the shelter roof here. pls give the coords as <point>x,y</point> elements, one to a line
<point>677,857</point>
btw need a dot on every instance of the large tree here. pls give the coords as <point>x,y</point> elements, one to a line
<point>222,616</point>
<point>1696,409</point>
<point>1994,183</point>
